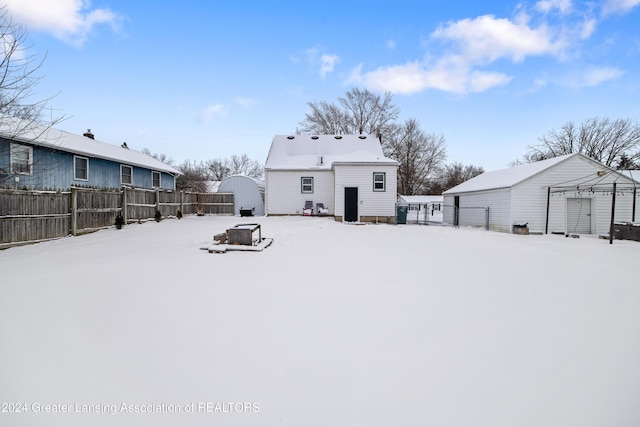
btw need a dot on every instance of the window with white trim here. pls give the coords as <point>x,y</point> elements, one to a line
<point>126,174</point>
<point>155,179</point>
<point>21,159</point>
<point>379,181</point>
<point>306,184</point>
<point>80,168</point>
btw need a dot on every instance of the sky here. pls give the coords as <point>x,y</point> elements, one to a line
<point>532,331</point>
<point>207,80</point>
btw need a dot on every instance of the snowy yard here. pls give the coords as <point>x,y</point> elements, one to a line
<point>333,325</point>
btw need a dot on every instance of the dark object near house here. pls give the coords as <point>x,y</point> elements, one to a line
<point>119,221</point>
<point>521,228</point>
<point>626,231</point>
<point>247,212</point>
<point>401,214</point>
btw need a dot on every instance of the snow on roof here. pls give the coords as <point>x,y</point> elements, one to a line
<point>78,144</point>
<point>631,174</point>
<point>505,178</point>
<point>259,182</point>
<point>421,199</point>
<point>323,151</point>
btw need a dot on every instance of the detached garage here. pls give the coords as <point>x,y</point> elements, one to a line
<point>567,194</point>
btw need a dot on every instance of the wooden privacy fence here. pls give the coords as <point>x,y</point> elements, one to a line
<point>29,216</point>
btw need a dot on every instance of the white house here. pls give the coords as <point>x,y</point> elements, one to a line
<point>348,174</point>
<point>566,194</point>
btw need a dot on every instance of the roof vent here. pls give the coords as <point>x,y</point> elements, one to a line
<point>290,137</point>
<point>362,137</point>
<point>338,137</point>
<point>314,137</point>
<point>88,134</point>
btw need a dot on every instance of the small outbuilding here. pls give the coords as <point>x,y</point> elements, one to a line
<point>422,209</point>
<point>248,193</point>
<point>566,194</point>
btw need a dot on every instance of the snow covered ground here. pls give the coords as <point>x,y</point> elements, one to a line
<point>334,324</point>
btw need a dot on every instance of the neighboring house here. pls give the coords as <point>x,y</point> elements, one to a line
<point>248,193</point>
<point>425,208</point>
<point>56,159</point>
<point>566,194</point>
<point>349,174</point>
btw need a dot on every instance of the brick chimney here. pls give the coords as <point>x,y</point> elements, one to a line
<point>88,134</point>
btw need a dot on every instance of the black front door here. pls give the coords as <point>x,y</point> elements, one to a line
<point>351,204</point>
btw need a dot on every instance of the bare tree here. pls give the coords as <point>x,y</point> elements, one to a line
<point>194,176</point>
<point>218,169</point>
<point>21,117</point>
<point>602,139</point>
<point>243,165</point>
<point>162,157</point>
<point>452,175</point>
<point>358,112</point>
<point>420,155</point>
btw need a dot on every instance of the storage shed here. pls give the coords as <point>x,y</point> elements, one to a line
<point>248,193</point>
<point>566,194</point>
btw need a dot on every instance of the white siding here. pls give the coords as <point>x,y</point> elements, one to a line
<point>529,198</point>
<point>284,195</point>
<point>496,200</point>
<point>371,203</point>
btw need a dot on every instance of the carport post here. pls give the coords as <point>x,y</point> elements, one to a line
<point>546,224</point>
<point>613,210</point>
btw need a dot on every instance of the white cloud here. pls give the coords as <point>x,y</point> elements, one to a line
<point>486,39</point>
<point>327,63</point>
<point>324,62</point>
<point>208,114</point>
<point>596,76</point>
<point>245,102</point>
<point>473,44</point>
<point>619,6</point>
<point>546,6</point>
<point>68,20</point>
<point>390,44</point>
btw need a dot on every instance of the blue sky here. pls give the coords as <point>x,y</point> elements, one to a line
<point>204,80</point>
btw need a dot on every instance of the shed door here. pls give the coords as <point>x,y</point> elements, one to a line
<point>351,204</point>
<point>579,216</point>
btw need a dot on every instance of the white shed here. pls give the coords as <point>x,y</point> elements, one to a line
<point>348,174</point>
<point>566,194</point>
<point>425,208</point>
<point>248,193</point>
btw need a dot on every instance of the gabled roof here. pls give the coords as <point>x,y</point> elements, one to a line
<point>506,178</point>
<point>78,144</point>
<point>322,152</point>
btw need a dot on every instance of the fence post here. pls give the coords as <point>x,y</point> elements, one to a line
<point>125,215</point>
<point>157,200</point>
<point>487,220</point>
<point>182,202</point>
<point>74,211</point>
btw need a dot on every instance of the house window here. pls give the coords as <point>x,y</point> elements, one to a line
<point>379,181</point>
<point>307,184</point>
<point>126,174</point>
<point>80,168</point>
<point>155,178</point>
<point>21,159</point>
